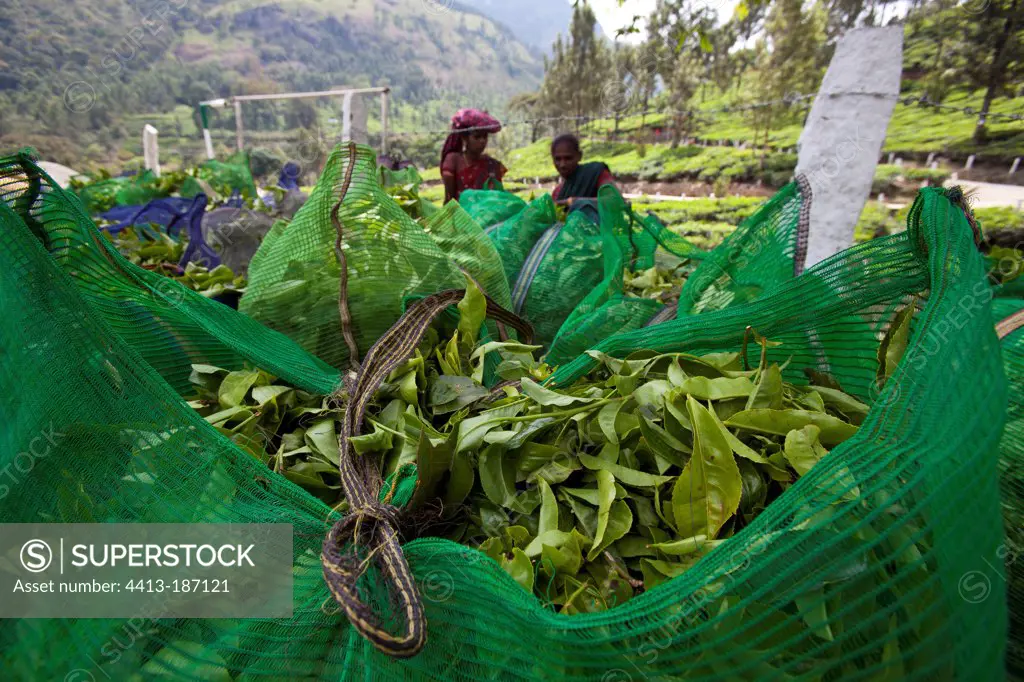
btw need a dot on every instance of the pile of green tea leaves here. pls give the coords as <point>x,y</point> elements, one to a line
<point>211,283</point>
<point>659,283</point>
<point>154,250</point>
<point>1005,264</point>
<point>289,430</point>
<point>403,187</point>
<point>586,496</point>
<point>150,248</point>
<point>591,495</point>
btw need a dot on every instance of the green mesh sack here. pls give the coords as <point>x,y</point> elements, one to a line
<point>141,190</point>
<point>562,267</point>
<point>190,187</point>
<point>65,371</point>
<point>170,326</point>
<point>605,310</point>
<point>103,195</point>
<point>661,236</point>
<point>856,573</point>
<point>766,249</point>
<point>402,176</point>
<point>760,254</point>
<point>407,182</point>
<point>1011,476</point>
<point>225,177</point>
<point>629,242</point>
<point>489,208</point>
<point>562,272</point>
<point>516,236</point>
<point>294,277</point>
<point>613,315</point>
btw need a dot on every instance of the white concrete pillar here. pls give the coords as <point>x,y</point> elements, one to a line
<point>346,117</point>
<point>358,129</point>
<point>384,122</point>
<point>239,131</point>
<point>1015,166</point>
<point>151,149</point>
<point>842,140</point>
<point>931,159</point>
<point>970,162</point>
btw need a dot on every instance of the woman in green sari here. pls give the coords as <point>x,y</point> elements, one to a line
<point>578,181</point>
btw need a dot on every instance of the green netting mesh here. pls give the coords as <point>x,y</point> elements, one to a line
<point>102,195</point>
<point>1011,476</point>
<point>856,573</point>
<point>168,324</point>
<point>227,176</point>
<point>488,207</point>
<point>294,276</point>
<point>223,177</point>
<point>761,253</point>
<point>403,184</point>
<point>515,236</point>
<point>604,310</point>
<point>767,248</point>
<point>562,273</point>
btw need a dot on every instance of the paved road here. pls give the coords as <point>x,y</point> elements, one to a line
<point>988,194</point>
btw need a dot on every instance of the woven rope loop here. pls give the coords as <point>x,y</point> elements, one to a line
<point>369,532</point>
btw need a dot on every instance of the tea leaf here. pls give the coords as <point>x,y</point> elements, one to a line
<point>708,491</point>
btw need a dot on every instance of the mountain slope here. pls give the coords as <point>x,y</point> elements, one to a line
<point>70,73</point>
<point>534,22</point>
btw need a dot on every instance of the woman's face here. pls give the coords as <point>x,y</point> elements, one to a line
<point>566,159</point>
<point>476,142</point>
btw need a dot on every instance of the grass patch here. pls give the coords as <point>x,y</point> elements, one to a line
<point>660,162</point>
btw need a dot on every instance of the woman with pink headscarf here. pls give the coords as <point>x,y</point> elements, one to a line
<point>464,163</point>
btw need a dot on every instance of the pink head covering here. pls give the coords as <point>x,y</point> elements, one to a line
<point>463,121</point>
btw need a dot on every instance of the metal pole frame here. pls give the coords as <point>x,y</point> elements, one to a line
<point>237,100</point>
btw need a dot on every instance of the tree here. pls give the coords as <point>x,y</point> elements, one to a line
<point>576,76</point>
<point>792,57</point>
<point>680,30</point>
<point>644,72</point>
<point>618,92</point>
<point>301,113</point>
<point>995,54</point>
<point>529,104</point>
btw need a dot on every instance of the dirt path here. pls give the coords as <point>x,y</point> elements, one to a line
<point>988,194</point>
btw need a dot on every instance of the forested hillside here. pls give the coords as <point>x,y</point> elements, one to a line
<point>70,73</point>
<point>744,77</point>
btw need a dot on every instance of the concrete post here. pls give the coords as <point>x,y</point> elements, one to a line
<point>1015,166</point>
<point>970,162</point>
<point>346,117</point>
<point>151,149</point>
<point>359,131</point>
<point>384,122</point>
<point>842,140</point>
<point>238,125</point>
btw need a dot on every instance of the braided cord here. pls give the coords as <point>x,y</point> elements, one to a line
<point>370,522</point>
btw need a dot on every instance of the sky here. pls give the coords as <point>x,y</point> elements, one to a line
<point>612,17</point>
